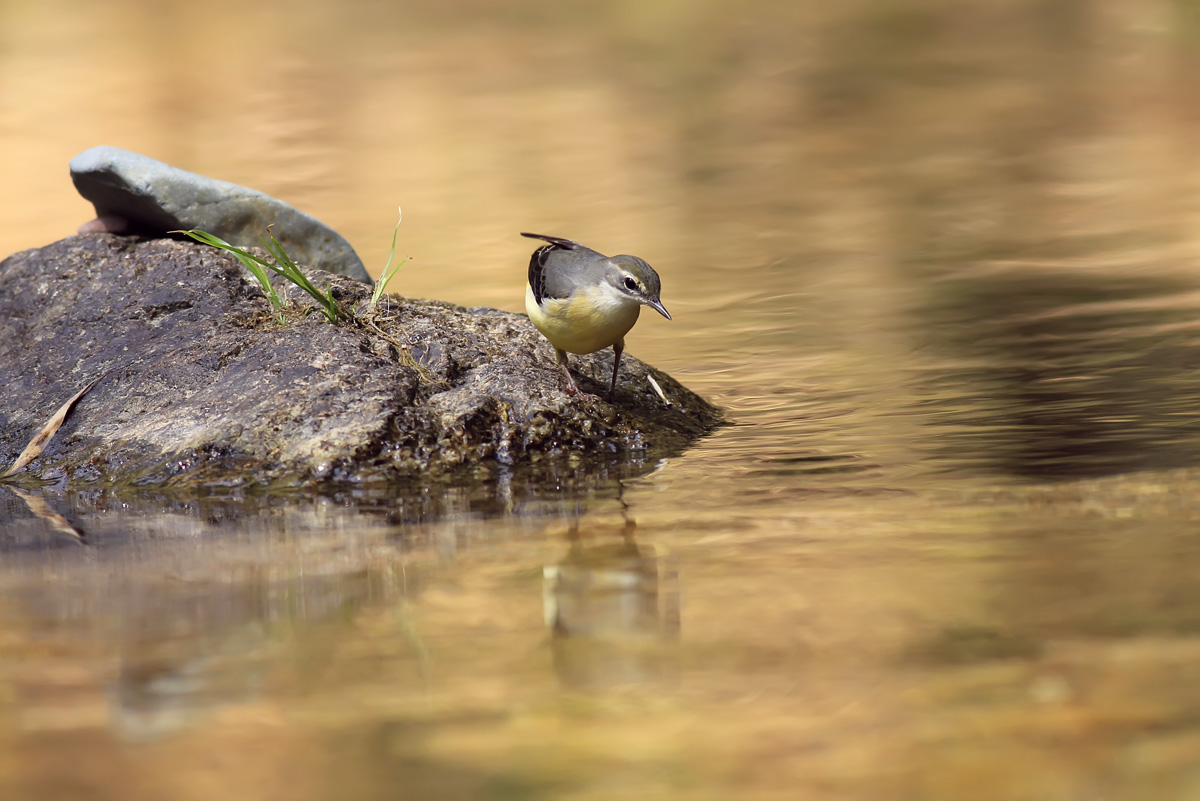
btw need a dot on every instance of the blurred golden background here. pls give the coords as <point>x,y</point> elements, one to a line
<point>936,257</point>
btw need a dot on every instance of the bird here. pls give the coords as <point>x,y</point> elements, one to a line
<point>583,301</point>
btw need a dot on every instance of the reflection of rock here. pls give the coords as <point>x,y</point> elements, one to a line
<point>609,609</point>
<point>433,511</point>
<point>188,649</point>
<point>136,193</point>
<point>205,387</point>
<point>171,684</point>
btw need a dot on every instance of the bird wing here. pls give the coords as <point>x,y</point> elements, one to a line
<point>550,265</point>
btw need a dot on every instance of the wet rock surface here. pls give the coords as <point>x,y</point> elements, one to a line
<point>136,193</point>
<point>203,386</point>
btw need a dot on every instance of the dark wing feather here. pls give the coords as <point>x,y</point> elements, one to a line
<point>537,271</point>
<point>541,264</point>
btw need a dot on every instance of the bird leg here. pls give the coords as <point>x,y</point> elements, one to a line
<point>561,357</point>
<point>618,349</point>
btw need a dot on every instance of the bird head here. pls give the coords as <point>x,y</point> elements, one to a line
<point>635,279</point>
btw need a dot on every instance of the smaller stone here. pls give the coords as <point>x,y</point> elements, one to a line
<point>136,193</point>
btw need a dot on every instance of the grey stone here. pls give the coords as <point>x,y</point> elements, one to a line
<point>136,193</point>
<point>203,386</point>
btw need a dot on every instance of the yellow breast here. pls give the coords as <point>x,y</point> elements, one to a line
<point>588,321</point>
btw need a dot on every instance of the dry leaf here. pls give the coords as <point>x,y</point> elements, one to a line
<point>39,442</point>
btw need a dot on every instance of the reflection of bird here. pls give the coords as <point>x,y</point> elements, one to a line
<point>612,610</point>
<point>583,301</point>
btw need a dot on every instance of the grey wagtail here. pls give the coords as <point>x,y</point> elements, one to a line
<point>583,301</point>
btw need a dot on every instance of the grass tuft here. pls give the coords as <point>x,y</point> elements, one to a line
<point>389,272</point>
<point>281,264</point>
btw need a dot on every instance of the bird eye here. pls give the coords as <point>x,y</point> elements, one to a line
<point>630,283</point>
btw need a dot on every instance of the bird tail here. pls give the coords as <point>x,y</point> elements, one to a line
<point>565,244</point>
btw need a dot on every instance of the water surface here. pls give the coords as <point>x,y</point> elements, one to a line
<point>936,259</point>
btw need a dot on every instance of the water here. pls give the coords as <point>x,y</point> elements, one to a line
<point>937,262</point>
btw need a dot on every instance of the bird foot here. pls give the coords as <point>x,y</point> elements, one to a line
<point>572,387</point>
<point>575,392</point>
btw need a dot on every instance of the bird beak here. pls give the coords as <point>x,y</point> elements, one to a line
<point>656,304</point>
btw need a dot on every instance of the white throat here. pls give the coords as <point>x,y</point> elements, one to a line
<point>614,298</point>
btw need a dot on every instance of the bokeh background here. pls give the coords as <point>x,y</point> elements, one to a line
<point>937,258</point>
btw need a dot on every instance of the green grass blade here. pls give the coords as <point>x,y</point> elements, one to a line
<point>328,305</point>
<point>251,262</point>
<point>282,265</point>
<point>386,276</point>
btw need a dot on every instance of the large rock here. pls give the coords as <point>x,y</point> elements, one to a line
<point>204,386</point>
<point>141,194</point>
